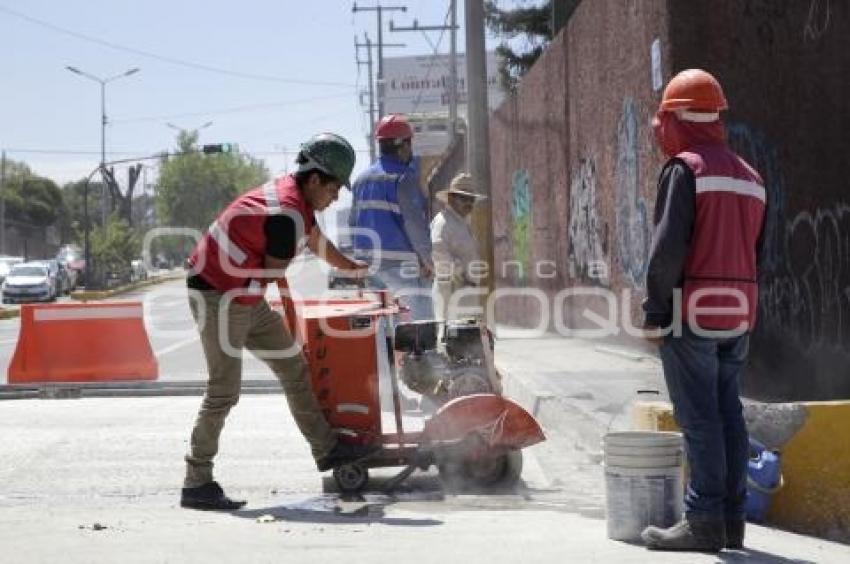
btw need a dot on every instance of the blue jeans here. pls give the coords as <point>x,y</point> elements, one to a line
<point>412,291</point>
<point>702,379</point>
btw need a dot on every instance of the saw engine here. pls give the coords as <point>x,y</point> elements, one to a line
<point>446,360</point>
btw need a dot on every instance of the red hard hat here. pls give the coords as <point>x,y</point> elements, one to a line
<point>393,126</point>
<point>693,89</point>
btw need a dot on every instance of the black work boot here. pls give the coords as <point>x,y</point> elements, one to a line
<point>345,453</point>
<point>735,534</point>
<point>209,497</point>
<point>692,535</point>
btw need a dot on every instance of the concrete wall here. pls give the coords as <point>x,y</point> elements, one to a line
<point>574,166</point>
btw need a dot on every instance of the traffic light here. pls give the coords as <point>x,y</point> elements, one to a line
<point>219,148</point>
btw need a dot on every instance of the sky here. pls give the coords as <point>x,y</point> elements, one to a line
<point>267,73</point>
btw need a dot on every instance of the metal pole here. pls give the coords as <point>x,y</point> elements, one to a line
<point>104,191</point>
<point>478,139</point>
<point>102,82</point>
<point>452,86</point>
<point>372,118</point>
<point>453,71</point>
<point>380,10</point>
<point>380,80</point>
<point>369,63</point>
<point>86,228</point>
<point>3,203</point>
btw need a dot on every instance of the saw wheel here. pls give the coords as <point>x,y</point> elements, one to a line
<point>351,478</point>
<point>490,472</point>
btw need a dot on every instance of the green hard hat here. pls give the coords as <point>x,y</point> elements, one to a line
<point>329,153</point>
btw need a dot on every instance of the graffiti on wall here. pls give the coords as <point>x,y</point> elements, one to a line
<point>757,150</point>
<point>633,231</point>
<point>818,20</point>
<point>521,214</point>
<point>809,297</point>
<point>588,243</point>
<point>805,289</point>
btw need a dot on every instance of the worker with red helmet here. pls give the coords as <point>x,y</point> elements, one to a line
<point>702,290</point>
<point>389,219</point>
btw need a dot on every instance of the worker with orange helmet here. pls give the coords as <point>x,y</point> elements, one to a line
<point>702,297</point>
<point>389,219</point>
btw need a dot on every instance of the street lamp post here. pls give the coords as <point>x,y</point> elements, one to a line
<point>103,82</point>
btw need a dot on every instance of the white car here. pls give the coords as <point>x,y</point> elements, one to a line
<point>6,264</point>
<point>28,282</point>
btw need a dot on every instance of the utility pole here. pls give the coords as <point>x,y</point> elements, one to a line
<point>478,143</point>
<point>380,11</point>
<point>452,27</point>
<point>368,62</point>
<point>3,203</point>
<point>371,112</point>
<point>453,101</point>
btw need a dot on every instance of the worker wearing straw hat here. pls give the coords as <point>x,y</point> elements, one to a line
<point>454,250</point>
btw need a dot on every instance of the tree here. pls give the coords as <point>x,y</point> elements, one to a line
<point>72,221</point>
<point>31,198</point>
<point>113,246</point>
<point>118,201</point>
<point>526,30</point>
<point>193,188</point>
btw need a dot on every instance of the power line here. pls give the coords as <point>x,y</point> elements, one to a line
<point>165,58</point>
<point>434,61</point>
<point>379,11</point>
<point>233,110</point>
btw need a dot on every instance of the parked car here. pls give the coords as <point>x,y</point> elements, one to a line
<point>29,281</point>
<point>59,274</point>
<point>72,257</point>
<point>6,264</point>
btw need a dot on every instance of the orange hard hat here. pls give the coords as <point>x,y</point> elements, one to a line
<point>393,126</point>
<point>693,89</point>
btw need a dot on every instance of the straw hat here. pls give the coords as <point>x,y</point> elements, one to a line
<point>460,184</point>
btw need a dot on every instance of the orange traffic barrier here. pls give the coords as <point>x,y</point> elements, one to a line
<point>82,343</point>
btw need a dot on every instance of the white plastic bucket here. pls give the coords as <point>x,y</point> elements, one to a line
<point>643,481</point>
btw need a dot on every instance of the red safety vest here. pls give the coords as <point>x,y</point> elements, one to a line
<point>730,208</point>
<point>231,254</point>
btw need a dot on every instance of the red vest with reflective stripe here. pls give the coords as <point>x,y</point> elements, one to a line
<point>231,254</point>
<point>721,266</point>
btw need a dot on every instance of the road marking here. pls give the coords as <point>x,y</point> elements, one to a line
<point>175,346</point>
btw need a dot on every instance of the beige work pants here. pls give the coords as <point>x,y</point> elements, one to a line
<point>259,329</point>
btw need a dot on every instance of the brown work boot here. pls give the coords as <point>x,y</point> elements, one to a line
<point>692,535</point>
<point>735,534</point>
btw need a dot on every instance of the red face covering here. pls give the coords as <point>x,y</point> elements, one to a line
<point>675,136</point>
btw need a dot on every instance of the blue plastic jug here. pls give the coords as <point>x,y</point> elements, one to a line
<point>764,478</point>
